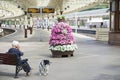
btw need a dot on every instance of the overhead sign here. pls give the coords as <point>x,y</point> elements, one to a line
<point>48,10</point>
<point>33,10</point>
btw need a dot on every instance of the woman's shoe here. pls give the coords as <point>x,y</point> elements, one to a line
<point>28,73</point>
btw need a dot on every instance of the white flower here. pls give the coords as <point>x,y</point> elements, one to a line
<point>64,31</point>
<point>63,48</point>
<point>58,48</point>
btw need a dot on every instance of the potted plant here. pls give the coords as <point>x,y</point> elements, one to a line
<point>61,41</point>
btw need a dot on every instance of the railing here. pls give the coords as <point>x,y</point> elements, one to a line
<point>101,34</point>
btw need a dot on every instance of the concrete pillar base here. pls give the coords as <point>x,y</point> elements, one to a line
<point>114,38</point>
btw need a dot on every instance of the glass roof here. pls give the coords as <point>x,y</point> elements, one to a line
<point>10,7</point>
<point>44,2</point>
<point>8,10</point>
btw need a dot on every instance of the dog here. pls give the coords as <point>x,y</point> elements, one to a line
<point>44,67</point>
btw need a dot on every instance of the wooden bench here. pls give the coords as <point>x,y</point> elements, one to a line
<point>10,59</point>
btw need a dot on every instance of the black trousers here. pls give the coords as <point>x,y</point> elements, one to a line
<point>25,66</point>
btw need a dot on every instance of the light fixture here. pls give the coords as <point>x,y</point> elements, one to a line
<point>68,6</point>
<point>18,6</point>
<point>30,15</point>
<point>61,12</point>
<point>25,12</point>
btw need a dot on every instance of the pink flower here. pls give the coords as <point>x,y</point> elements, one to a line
<point>60,36</point>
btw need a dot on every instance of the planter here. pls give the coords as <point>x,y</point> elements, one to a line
<point>62,54</point>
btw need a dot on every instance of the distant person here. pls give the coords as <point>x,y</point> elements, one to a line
<point>0,25</point>
<point>15,49</point>
<point>102,25</point>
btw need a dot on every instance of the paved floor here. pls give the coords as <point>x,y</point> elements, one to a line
<point>94,60</point>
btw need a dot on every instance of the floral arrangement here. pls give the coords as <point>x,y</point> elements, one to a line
<point>61,38</point>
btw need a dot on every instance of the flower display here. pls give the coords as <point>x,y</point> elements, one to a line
<point>61,38</point>
<point>63,48</point>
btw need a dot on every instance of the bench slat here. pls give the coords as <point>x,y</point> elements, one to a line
<point>10,59</point>
<point>7,58</point>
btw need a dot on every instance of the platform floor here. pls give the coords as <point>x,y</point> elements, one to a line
<point>94,60</point>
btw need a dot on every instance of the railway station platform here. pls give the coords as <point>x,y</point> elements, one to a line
<point>93,60</point>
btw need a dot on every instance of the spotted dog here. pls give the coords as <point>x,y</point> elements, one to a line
<point>44,67</point>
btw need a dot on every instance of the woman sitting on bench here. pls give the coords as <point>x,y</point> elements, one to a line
<point>16,50</point>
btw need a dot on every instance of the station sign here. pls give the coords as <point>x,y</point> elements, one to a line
<point>48,10</point>
<point>33,10</point>
<point>41,10</point>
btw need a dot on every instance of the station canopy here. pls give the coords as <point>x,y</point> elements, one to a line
<point>16,8</point>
